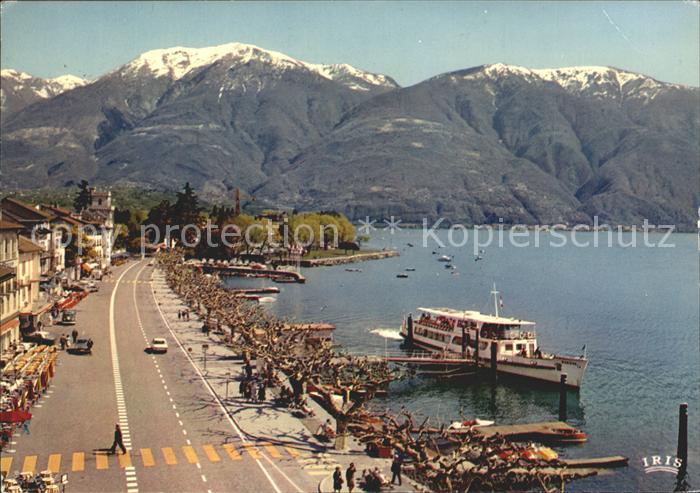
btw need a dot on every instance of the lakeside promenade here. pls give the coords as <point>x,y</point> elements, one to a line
<point>182,431</point>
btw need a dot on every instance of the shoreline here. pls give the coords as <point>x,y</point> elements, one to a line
<point>345,259</point>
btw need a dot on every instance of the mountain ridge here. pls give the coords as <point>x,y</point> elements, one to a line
<point>496,140</point>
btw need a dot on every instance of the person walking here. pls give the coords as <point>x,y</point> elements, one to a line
<point>118,440</point>
<point>337,480</point>
<point>74,335</point>
<point>350,476</point>
<point>396,465</point>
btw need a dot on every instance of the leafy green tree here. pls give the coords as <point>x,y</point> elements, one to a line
<point>83,198</point>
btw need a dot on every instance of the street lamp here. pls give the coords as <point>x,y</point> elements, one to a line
<point>204,349</point>
<point>228,379</point>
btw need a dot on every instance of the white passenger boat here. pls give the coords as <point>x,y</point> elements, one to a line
<point>472,335</point>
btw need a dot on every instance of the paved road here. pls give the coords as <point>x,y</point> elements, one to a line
<point>179,436</point>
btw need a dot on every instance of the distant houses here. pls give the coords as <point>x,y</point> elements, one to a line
<point>42,248</point>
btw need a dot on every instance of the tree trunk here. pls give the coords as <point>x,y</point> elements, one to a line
<point>341,432</point>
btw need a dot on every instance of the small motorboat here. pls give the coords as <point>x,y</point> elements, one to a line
<point>444,258</point>
<point>468,424</point>
<point>564,435</point>
<point>402,276</point>
<point>410,269</point>
<point>410,244</point>
<point>353,270</point>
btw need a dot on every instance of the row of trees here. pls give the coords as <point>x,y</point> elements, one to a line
<point>269,340</point>
<point>440,460</point>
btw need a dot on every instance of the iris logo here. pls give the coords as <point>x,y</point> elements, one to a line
<point>657,463</point>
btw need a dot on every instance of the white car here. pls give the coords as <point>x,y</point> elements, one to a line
<point>159,345</point>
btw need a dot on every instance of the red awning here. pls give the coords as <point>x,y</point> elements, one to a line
<point>16,416</point>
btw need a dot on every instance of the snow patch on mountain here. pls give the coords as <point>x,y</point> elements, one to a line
<point>44,88</point>
<point>179,61</point>
<point>596,81</point>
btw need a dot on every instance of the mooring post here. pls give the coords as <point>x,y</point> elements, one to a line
<point>494,349</point>
<point>562,397</point>
<point>464,343</point>
<point>409,330</point>
<point>682,451</point>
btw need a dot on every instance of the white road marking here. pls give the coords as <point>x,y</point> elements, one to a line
<point>132,485</point>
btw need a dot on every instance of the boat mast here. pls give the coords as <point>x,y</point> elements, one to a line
<point>495,298</point>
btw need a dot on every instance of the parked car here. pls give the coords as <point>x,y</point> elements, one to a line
<point>92,287</point>
<point>81,346</point>
<point>40,337</point>
<point>158,345</point>
<point>68,317</point>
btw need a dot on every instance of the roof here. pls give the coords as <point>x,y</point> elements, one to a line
<point>28,246</point>
<point>64,215</point>
<point>475,316</point>
<point>7,273</point>
<point>23,211</point>
<point>9,225</point>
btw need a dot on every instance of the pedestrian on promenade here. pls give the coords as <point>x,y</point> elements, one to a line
<point>179,314</point>
<point>262,395</point>
<point>118,440</point>
<point>396,465</point>
<point>74,334</point>
<point>337,480</point>
<point>249,390</point>
<point>63,341</point>
<point>242,387</point>
<point>350,476</point>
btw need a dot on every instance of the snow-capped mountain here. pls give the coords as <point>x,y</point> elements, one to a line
<point>177,62</point>
<point>595,81</point>
<point>488,142</point>
<point>19,89</point>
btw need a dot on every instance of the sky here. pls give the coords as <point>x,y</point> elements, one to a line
<point>410,41</point>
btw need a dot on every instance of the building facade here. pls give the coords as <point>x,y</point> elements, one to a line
<point>34,303</point>
<point>9,299</point>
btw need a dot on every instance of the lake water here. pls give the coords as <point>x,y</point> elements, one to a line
<point>635,309</point>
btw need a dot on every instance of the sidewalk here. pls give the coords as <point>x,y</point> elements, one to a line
<point>262,421</point>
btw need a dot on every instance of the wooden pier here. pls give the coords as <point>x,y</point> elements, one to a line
<point>266,290</point>
<point>550,431</point>
<point>243,271</point>
<point>597,462</point>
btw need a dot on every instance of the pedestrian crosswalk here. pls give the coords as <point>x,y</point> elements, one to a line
<point>157,456</point>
